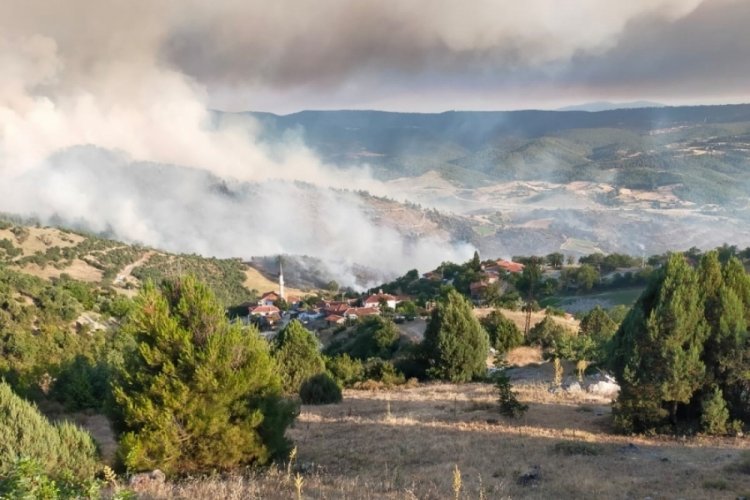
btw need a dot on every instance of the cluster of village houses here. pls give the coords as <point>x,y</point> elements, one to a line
<point>332,312</point>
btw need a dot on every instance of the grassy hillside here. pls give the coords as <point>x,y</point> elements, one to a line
<point>51,253</point>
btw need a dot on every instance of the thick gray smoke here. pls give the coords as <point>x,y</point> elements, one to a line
<point>91,120</point>
<point>188,210</point>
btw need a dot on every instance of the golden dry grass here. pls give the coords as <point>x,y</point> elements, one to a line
<point>41,238</point>
<point>78,270</point>
<point>405,444</point>
<point>254,280</point>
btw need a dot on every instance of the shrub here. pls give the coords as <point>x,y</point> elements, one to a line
<point>715,414</point>
<point>321,389</point>
<point>503,333</point>
<point>548,333</point>
<point>59,449</point>
<point>376,337</point>
<point>570,448</point>
<point>198,393</point>
<point>298,356</point>
<point>383,371</point>
<point>82,384</point>
<point>345,370</point>
<point>509,404</point>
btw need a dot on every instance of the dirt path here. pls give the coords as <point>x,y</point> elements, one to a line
<point>126,271</point>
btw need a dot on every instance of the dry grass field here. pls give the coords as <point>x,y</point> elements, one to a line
<point>407,443</point>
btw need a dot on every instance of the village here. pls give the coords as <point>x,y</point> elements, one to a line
<point>276,308</point>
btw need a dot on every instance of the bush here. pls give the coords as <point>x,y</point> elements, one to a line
<point>548,333</point>
<point>198,394</point>
<point>345,370</point>
<point>298,356</point>
<point>59,449</point>
<point>82,384</point>
<point>715,415</point>
<point>321,389</point>
<point>383,371</point>
<point>509,404</point>
<point>504,334</point>
<point>374,337</point>
<point>570,448</point>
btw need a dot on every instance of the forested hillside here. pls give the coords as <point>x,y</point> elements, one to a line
<point>704,149</point>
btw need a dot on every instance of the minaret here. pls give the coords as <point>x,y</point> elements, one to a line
<point>281,280</point>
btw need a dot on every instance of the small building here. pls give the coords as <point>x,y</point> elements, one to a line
<point>335,319</point>
<point>264,311</point>
<point>268,299</point>
<point>360,312</point>
<point>376,299</point>
<point>510,266</point>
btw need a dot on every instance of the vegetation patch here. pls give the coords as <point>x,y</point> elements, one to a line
<point>570,448</point>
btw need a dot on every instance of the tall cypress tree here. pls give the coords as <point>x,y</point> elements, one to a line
<point>455,344</point>
<point>658,348</point>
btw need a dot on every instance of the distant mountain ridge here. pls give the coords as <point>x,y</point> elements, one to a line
<point>609,105</point>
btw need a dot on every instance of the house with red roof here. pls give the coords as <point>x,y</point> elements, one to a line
<point>264,311</point>
<point>376,299</point>
<point>510,266</point>
<point>268,299</point>
<point>360,312</point>
<point>335,319</point>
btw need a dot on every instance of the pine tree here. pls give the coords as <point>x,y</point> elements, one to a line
<point>727,351</point>
<point>503,333</point>
<point>714,413</point>
<point>657,350</point>
<point>60,449</point>
<point>298,356</point>
<point>455,344</point>
<point>597,324</point>
<point>197,393</point>
<point>597,328</point>
<point>738,281</point>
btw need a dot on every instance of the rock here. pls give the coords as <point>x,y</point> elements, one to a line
<point>531,477</point>
<point>147,480</point>
<point>573,387</point>
<point>603,388</point>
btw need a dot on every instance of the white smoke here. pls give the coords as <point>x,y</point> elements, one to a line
<point>96,153</point>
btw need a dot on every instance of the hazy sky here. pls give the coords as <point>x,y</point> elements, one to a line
<point>427,55</point>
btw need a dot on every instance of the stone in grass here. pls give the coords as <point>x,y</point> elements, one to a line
<point>531,477</point>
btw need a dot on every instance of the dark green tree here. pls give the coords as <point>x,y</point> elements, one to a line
<point>503,333</point>
<point>320,389</point>
<point>547,334</point>
<point>59,449</point>
<point>476,263</point>
<point>597,326</point>
<point>376,337</point>
<point>298,356</point>
<point>455,344</point>
<point>197,393</point>
<point>657,349</point>
<point>555,260</point>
